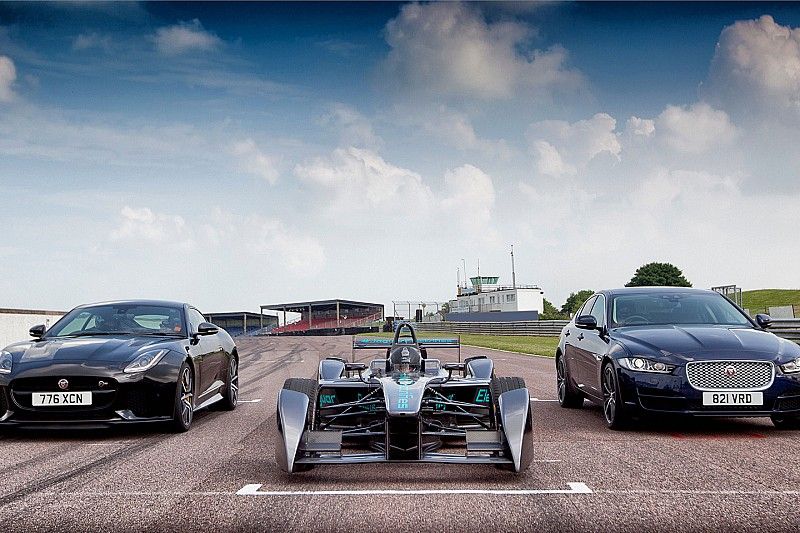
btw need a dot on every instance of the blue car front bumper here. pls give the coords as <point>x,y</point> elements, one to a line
<point>672,394</point>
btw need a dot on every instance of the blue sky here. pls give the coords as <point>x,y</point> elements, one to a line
<point>238,154</point>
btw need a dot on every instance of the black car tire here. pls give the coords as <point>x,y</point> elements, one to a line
<point>785,421</point>
<point>307,387</point>
<point>568,396</point>
<point>230,397</point>
<point>183,409</point>
<point>614,411</point>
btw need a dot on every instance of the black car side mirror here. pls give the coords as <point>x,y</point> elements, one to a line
<point>207,328</point>
<point>37,331</point>
<point>763,321</point>
<point>586,322</point>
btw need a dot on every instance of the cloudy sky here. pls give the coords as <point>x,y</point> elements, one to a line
<point>237,155</point>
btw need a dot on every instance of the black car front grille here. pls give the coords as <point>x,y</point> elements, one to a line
<point>730,375</point>
<point>146,401</point>
<point>103,389</point>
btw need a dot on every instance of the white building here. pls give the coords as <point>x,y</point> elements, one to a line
<point>15,323</point>
<point>486,295</point>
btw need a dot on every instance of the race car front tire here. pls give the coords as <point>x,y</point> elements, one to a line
<point>307,387</point>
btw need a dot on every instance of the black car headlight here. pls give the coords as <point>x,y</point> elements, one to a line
<point>791,367</point>
<point>642,364</point>
<point>145,361</point>
<point>6,362</point>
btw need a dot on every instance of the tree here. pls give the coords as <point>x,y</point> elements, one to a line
<point>575,301</point>
<point>550,312</point>
<point>658,274</point>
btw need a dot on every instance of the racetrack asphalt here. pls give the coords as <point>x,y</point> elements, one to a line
<point>683,475</point>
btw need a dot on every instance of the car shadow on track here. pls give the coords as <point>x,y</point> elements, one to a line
<point>99,435</point>
<point>692,426</point>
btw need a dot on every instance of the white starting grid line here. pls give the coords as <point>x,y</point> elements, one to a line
<point>256,400</point>
<point>254,489</point>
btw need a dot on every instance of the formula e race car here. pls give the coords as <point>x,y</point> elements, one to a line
<point>406,407</point>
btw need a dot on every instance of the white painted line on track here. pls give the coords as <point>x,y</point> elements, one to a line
<point>538,400</point>
<point>255,490</point>
<point>256,400</point>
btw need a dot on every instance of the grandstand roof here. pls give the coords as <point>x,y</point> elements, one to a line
<point>299,307</point>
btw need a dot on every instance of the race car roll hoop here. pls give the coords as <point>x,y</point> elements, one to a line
<point>406,407</point>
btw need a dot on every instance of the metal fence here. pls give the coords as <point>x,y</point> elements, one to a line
<point>786,328</point>
<point>538,328</point>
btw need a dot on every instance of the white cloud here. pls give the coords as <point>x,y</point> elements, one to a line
<point>449,48</point>
<point>641,126</point>
<point>185,37</point>
<point>757,62</point>
<point>561,148</point>
<point>355,179</point>
<point>696,128</point>
<point>88,41</point>
<point>455,129</point>
<point>8,74</point>
<point>470,196</point>
<point>253,161</point>
<point>142,224</point>
<point>354,128</point>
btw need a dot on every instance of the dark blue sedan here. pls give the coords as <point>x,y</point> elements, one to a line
<point>651,350</point>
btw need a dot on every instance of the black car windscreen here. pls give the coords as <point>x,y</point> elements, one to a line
<point>120,318</point>
<point>674,308</point>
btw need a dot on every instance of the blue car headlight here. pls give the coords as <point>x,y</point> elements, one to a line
<point>145,361</point>
<point>6,362</point>
<point>642,364</point>
<point>791,367</point>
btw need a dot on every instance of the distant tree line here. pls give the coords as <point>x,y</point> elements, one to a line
<point>649,275</point>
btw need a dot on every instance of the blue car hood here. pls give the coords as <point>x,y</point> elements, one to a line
<point>704,342</point>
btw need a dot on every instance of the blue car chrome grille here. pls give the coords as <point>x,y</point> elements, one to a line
<point>724,375</point>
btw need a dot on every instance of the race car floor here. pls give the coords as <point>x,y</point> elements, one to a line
<point>688,475</point>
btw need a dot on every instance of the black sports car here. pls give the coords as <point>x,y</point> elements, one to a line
<point>118,363</point>
<point>676,351</point>
<point>404,407</point>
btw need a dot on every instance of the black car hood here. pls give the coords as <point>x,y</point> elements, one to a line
<point>702,342</point>
<point>88,349</point>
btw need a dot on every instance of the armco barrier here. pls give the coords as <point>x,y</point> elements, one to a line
<point>786,328</point>
<point>538,328</point>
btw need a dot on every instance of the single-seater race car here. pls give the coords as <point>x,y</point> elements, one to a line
<point>404,407</point>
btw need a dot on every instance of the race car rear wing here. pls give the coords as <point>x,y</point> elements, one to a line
<point>379,343</point>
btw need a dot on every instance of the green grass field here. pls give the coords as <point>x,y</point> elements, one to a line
<point>758,301</point>
<point>512,343</point>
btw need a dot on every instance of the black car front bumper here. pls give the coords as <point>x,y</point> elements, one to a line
<point>120,399</point>
<point>672,394</point>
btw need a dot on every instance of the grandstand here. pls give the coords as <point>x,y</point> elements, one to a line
<point>243,322</point>
<point>327,317</point>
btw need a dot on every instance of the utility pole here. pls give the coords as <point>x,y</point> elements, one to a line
<point>480,281</point>
<point>513,273</point>
<point>464,264</point>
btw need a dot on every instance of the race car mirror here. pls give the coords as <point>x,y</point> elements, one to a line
<point>37,331</point>
<point>764,321</point>
<point>207,328</point>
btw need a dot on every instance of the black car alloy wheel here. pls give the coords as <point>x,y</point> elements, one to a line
<point>231,397</point>
<point>184,399</point>
<point>612,407</point>
<point>567,395</point>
